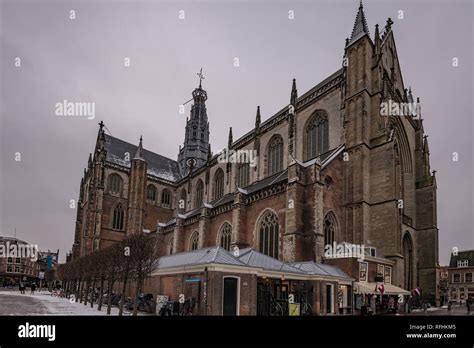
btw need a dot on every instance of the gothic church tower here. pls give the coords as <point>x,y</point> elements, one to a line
<point>196,137</point>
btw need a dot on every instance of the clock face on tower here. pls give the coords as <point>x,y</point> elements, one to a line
<point>191,162</point>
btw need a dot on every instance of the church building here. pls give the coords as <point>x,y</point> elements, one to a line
<point>327,168</point>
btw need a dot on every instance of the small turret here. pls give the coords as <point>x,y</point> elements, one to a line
<point>258,119</point>
<point>230,140</point>
<point>139,153</point>
<point>294,94</point>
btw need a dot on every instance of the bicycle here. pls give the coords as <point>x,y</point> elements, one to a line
<point>276,309</point>
<point>186,308</point>
<point>306,308</point>
<point>57,293</point>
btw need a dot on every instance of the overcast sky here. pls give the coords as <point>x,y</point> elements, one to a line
<point>83,60</point>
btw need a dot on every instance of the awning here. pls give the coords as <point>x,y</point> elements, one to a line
<point>369,288</point>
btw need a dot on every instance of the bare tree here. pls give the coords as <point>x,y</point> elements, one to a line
<point>112,258</point>
<point>125,270</point>
<point>101,274</point>
<point>143,254</point>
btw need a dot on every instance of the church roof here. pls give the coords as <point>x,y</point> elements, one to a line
<point>301,101</point>
<point>215,254</point>
<point>258,185</point>
<point>246,258</point>
<point>253,258</point>
<point>311,267</point>
<point>157,165</point>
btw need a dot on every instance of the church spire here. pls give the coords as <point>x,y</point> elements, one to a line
<point>377,41</point>
<point>360,26</point>
<point>258,118</point>
<point>100,144</point>
<point>139,153</point>
<point>196,138</point>
<point>294,94</point>
<point>230,140</point>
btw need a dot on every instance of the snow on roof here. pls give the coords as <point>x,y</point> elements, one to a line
<point>157,165</point>
<point>247,257</point>
<point>215,254</point>
<point>311,267</point>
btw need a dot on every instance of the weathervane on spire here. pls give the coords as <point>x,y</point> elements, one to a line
<point>201,77</point>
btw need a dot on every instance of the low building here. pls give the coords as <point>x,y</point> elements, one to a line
<point>13,267</point>
<point>214,281</point>
<point>460,276</point>
<point>373,282</point>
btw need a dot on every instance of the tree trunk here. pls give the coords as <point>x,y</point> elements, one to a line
<point>135,303</point>
<point>109,296</point>
<point>92,293</point>
<point>101,295</point>
<point>81,290</point>
<point>122,300</point>
<point>88,282</point>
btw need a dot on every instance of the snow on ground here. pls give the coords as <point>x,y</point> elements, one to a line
<point>42,303</point>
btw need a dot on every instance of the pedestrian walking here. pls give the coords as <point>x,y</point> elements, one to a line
<point>22,288</point>
<point>33,288</point>
<point>425,307</point>
<point>468,305</point>
<point>449,306</point>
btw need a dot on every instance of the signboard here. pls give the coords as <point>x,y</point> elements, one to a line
<point>294,309</point>
<point>41,275</point>
<point>50,261</point>
<point>192,280</point>
<point>160,302</point>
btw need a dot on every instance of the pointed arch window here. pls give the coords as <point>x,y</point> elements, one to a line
<point>269,235</point>
<point>219,184</point>
<point>118,221</point>
<point>329,228</point>
<point>166,198</point>
<point>194,241</point>
<point>316,135</point>
<point>225,236</point>
<point>243,174</point>
<point>115,184</point>
<point>199,194</point>
<point>275,155</point>
<point>151,193</point>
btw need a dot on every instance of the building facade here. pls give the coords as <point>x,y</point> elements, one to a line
<point>214,281</point>
<point>27,264</point>
<point>460,276</point>
<point>328,167</point>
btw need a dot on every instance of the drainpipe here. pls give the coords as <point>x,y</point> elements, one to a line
<point>206,273</point>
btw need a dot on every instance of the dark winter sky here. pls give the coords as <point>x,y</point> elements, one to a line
<point>83,60</point>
